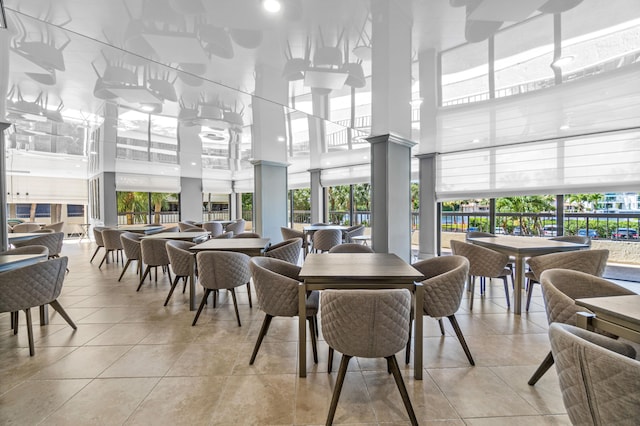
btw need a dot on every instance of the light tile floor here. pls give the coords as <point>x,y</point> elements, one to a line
<point>133,361</point>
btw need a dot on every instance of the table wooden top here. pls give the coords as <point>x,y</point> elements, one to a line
<point>358,266</point>
<point>13,261</point>
<point>626,308</point>
<point>186,236</point>
<point>525,245</point>
<point>233,244</point>
<point>22,236</point>
<point>145,229</point>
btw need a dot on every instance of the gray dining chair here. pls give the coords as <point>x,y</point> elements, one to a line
<point>132,250</point>
<point>53,241</point>
<point>326,239</point>
<point>599,377</point>
<point>154,255</point>
<point>560,288</point>
<point>215,228</point>
<point>367,324</point>
<point>351,248</point>
<point>112,243</point>
<point>247,235</point>
<point>30,286</point>
<point>289,233</point>
<point>183,263</point>
<point>237,227</point>
<point>97,236</point>
<point>288,250</point>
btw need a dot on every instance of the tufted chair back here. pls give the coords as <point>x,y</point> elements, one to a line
<point>52,241</point>
<point>215,228</point>
<point>351,248</point>
<point>288,250</point>
<point>236,227</point>
<point>182,260</point>
<point>276,282</point>
<point>28,250</point>
<point>25,227</point>
<point>326,239</point>
<point>154,252</point>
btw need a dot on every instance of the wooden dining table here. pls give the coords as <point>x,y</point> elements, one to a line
<point>248,246</point>
<point>347,271</point>
<point>181,236</point>
<point>141,229</point>
<point>521,248</point>
<point>619,315</point>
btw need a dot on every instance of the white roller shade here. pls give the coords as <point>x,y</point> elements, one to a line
<point>147,183</point>
<point>33,189</point>
<point>346,175</point>
<point>600,163</point>
<point>215,186</point>
<point>299,180</point>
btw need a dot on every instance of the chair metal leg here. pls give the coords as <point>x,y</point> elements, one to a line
<point>249,293</point>
<point>456,327</point>
<point>106,257</point>
<point>263,332</point>
<point>471,286</point>
<point>146,272</point>
<point>506,292</point>
<point>59,309</point>
<point>395,370</point>
<point>441,326</point>
<point>32,350</point>
<point>15,322</point>
<point>407,352</point>
<point>314,343</point>
<point>126,265</point>
<point>173,287</point>
<point>544,366</point>
<point>235,306</point>
<point>185,280</point>
<point>94,253</point>
<point>530,284</point>
<point>342,371</point>
<point>202,303</point>
<point>330,362</point>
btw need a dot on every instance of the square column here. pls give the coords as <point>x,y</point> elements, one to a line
<point>269,199</point>
<point>428,206</point>
<point>391,194</point>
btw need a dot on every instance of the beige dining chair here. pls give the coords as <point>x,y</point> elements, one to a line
<point>97,236</point>
<point>289,233</point>
<point>247,235</point>
<point>326,239</point>
<point>53,241</point>
<point>183,263</point>
<point>25,227</point>
<point>352,231</point>
<point>351,248</point>
<point>599,377</point>
<point>592,262</point>
<point>276,282</point>
<point>288,250</point>
<point>154,254</point>
<point>483,263</point>
<point>132,250</point>
<point>237,227</point>
<point>222,270</point>
<point>56,227</point>
<point>560,288</point>
<point>215,228</point>
<point>112,243</point>
<point>367,324</point>
<point>443,289</point>
<point>184,226</point>
<point>30,286</point>
<point>224,235</point>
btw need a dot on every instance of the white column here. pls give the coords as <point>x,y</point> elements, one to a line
<point>105,177</point>
<point>391,127</point>
<point>269,151</point>
<point>190,172</point>
<point>428,158</point>
<point>428,210</point>
<point>391,195</point>
<point>317,197</point>
<point>4,83</point>
<point>269,206</point>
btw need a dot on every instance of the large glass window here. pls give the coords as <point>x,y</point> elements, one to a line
<point>465,74</point>
<point>147,207</point>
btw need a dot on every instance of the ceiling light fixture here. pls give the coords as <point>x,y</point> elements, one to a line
<point>271,6</point>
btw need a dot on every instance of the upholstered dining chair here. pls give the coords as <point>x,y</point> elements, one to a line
<point>247,235</point>
<point>192,229</point>
<point>42,231</point>
<point>183,263</point>
<point>443,289</point>
<point>573,239</point>
<point>25,227</point>
<point>53,241</point>
<point>326,239</point>
<point>215,228</point>
<point>184,226</point>
<point>352,231</point>
<point>154,254</point>
<point>97,236</point>
<point>222,270</point>
<point>276,282</point>
<point>224,235</point>
<point>30,286</point>
<point>56,227</point>
<point>478,234</point>
<point>599,377</point>
<point>592,262</point>
<point>367,324</point>
<point>132,250</point>
<point>289,233</point>
<point>288,250</point>
<point>351,248</point>
<point>483,262</point>
<point>32,249</point>
<point>560,288</point>
<point>112,243</point>
<point>237,227</point>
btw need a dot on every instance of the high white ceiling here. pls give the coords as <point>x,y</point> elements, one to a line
<point>61,47</point>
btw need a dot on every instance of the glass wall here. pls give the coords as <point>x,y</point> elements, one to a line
<point>147,207</point>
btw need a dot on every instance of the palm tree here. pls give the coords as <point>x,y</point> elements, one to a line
<point>160,200</point>
<point>132,202</point>
<point>525,204</point>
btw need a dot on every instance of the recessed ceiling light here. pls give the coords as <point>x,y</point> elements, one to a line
<point>475,141</point>
<point>193,163</point>
<point>565,127</point>
<point>280,139</point>
<point>561,62</point>
<point>146,108</point>
<point>271,6</point>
